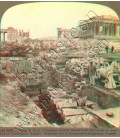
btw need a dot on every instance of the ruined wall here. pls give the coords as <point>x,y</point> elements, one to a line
<point>104,99</point>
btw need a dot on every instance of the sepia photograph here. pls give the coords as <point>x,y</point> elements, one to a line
<point>60,68</point>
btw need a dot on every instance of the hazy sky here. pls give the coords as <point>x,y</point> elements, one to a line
<point>42,18</point>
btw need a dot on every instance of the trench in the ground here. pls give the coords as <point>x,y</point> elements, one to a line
<point>49,110</point>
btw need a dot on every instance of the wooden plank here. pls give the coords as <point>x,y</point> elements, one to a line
<point>71,112</point>
<point>69,103</point>
<point>113,120</point>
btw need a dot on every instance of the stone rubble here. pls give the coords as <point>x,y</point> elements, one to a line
<point>69,110</point>
<point>19,109</point>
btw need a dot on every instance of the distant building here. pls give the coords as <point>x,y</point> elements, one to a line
<point>14,35</point>
<point>22,36</point>
<point>3,33</point>
<point>63,33</point>
<point>105,26</point>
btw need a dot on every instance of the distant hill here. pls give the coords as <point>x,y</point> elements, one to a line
<point>50,37</point>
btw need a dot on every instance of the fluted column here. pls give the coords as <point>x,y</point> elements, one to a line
<point>91,28</point>
<point>0,36</point>
<point>98,28</point>
<point>4,36</point>
<point>95,28</point>
<point>88,28</point>
<point>116,29</point>
<point>113,31</point>
<point>104,29</point>
<point>108,29</point>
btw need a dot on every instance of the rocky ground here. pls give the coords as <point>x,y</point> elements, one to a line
<point>17,109</point>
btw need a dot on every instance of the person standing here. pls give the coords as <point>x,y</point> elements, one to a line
<point>92,72</point>
<point>111,49</point>
<point>106,49</point>
<point>110,82</point>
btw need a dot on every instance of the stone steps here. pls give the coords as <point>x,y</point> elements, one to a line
<point>69,109</point>
<point>73,112</point>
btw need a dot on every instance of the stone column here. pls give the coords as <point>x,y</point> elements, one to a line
<point>108,29</point>
<point>116,29</point>
<point>95,28</point>
<point>113,30</point>
<point>90,28</point>
<point>0,36</point>
<point>87,29</point>
<point>3,36</point>
<point>96,31</point>
<point>98,28</point>
<point>104,29</point>
<point>100,32</point>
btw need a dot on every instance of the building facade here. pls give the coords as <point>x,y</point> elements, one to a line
<point>14,35</point>
<point>104,26</point>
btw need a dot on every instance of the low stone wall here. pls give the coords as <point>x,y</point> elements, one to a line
<point>104,98</point>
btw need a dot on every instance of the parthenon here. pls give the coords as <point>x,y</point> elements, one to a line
<point>105,26</point>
